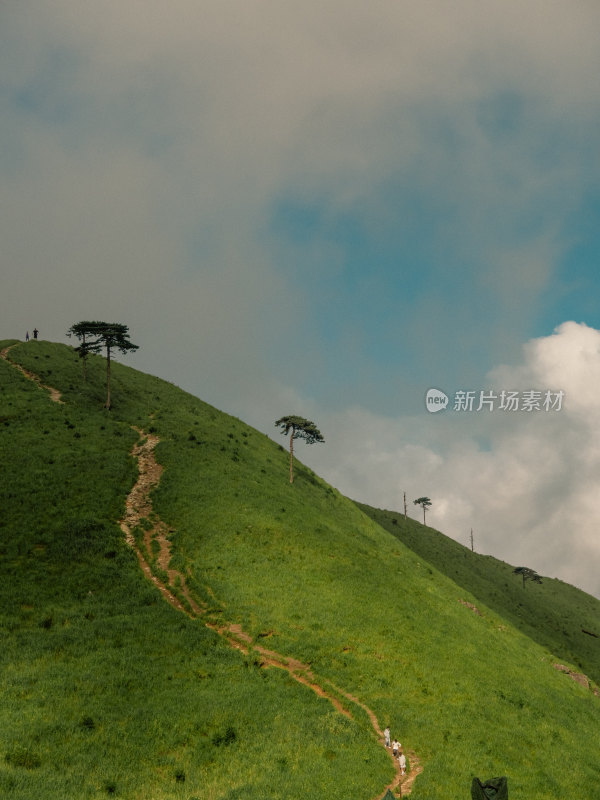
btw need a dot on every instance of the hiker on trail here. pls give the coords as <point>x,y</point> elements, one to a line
<point>35,333</point>
<point>27,336</point>
<point>395,747</point>
<point>402,762</point>
<point>386,736</point>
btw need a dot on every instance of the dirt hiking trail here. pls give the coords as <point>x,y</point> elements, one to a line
<point>153,550</point>
<point>139,514</point>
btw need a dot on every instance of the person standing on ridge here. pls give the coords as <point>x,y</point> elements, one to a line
<point>35,333</point>
<point>27,336</point>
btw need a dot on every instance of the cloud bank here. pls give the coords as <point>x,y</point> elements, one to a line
<point>530,492</point>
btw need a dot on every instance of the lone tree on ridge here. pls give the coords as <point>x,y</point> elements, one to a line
<point>81,330</point>
<point>425,502</point>
<point>527,574</point>
<point>298,428</point>
<point>102,335</point>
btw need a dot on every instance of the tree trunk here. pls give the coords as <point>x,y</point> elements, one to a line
<point>107,376</point>
<point>84,359</point>
<point>292,456</point>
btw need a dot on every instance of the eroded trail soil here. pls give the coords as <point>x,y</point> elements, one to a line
<point>139,515</point>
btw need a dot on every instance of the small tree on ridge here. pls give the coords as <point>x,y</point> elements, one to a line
<point>527,574</point>
<point>425,502</point>
<point>102,335</point>
<point>298,428</point>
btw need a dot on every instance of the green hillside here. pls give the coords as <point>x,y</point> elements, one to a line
<point>108,690</point>
<point>555,614</point>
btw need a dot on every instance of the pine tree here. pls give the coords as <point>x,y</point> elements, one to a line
<point>96,336</point>
<point>425,502</point>
<point>298,428</point>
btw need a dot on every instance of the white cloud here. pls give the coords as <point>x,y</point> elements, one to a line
<point>531,498</point>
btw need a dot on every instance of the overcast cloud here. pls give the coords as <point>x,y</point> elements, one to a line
<point>326,209</point>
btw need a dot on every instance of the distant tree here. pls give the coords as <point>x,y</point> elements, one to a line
<point>298,428</point>
<point>85,332</point>
<point>527,574</point>
<point>425,502</point>
<point>97,336</point>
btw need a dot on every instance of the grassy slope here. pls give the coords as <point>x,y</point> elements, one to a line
<point>85,637</point>
<point>106,689</point>
<point>554,614</point>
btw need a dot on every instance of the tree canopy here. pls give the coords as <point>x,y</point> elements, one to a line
<point>527,574</point>
<point>96,336</point>
<point>298,428</point>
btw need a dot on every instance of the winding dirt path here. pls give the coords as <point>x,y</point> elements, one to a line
<point>55,395</point>
<point>138,512</point>
<point>138,515</point>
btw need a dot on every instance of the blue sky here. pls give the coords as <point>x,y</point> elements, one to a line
<point>399,296</point>
<point>327,209</point>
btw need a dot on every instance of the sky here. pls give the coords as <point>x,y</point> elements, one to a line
<point>328,209</point>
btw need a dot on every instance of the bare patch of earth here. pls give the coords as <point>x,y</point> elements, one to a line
<point>139,514</point>
<point>578,677</point>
